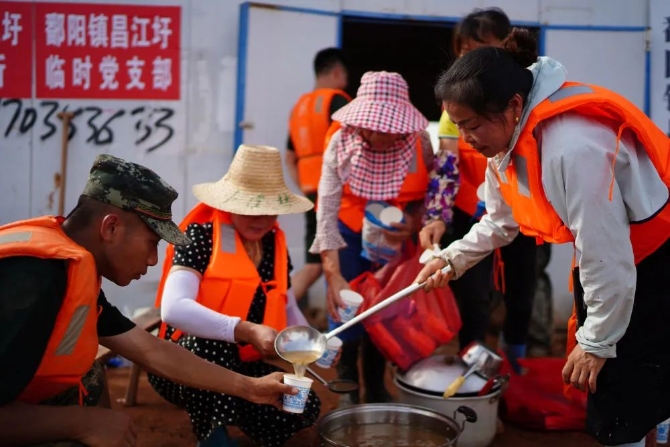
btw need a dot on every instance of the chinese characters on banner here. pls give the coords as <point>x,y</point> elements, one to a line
<point>659,20</point>
<point>107,51</point>
<point>15,49</point>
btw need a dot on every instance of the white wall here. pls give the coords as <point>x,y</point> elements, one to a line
<point>203,120</point>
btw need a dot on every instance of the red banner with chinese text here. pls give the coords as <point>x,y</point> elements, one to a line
<point>16,55</point>
<point>102,51</point>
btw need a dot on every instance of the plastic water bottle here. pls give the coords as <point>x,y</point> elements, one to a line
<point>481,209</point>
<point>662,432</point>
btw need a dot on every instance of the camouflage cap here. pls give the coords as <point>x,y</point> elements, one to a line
<point>133,187</point>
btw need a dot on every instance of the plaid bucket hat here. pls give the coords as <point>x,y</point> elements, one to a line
<point>382,104</point>
<point>132,187</point>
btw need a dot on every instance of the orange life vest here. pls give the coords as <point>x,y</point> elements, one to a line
<point>310,120</point>
<point>352,207</point>
<point>522,188</point>
<point>73,344</point>
<point>472,169</point>
<point>231,279</point>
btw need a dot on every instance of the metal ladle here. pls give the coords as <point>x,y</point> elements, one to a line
<point>340,386</point>
<point>305,338</point>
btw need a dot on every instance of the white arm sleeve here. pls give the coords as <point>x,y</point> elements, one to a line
<point>294,316</point>
<point>180,309</point>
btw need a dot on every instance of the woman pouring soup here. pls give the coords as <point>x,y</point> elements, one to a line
<point>225,296</point>
<point>576,163</point>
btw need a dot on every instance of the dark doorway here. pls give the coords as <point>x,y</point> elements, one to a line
<point>419,50</point>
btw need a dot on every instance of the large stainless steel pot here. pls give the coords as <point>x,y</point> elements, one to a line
<point>334,426</point>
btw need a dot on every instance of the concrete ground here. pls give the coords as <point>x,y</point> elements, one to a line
<point>162,424</point>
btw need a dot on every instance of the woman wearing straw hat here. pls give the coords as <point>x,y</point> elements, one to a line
<point>225,296</point>
<point>381,153</point>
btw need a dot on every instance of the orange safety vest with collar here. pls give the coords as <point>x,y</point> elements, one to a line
<point>231,279</point>
<point>73,344</point>
<point>308,125</point>
<point>521,183</point>
<point>352,207</point>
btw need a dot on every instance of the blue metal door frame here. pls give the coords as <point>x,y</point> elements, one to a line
<point>242,43</point>
<point>243,34</point>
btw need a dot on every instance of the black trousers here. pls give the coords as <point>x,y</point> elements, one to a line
<point>473,290</point>
<point>633,389</point>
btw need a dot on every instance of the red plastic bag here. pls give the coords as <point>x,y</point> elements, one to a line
<point>412,328</point>
<point>536,401</point>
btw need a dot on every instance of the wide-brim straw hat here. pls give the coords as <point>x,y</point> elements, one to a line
<point>382,104</point>
<point>253,186</point>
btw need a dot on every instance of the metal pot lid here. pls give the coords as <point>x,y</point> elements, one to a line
<point>434,374</point>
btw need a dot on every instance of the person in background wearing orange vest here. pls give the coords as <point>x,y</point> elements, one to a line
<point>54,313</point>
<point>225,296</point>
<point>381,153</point>
<point>571,162</point>
<point>309,122</point>
<point>473,290</point>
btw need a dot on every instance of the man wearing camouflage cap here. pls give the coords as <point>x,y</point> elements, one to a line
<point>53,313</point>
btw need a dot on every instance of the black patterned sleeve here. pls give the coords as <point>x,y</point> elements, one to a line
<point>198,253</point>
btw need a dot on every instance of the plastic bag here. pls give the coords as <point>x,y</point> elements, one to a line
<point>535,399</point>
<point>412,328</point>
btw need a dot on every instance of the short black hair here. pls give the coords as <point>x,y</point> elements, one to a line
<point>327,59</point>
<point>87,210</point>
<point>480,25</point>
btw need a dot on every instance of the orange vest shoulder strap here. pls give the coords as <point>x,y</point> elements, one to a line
<point>599,102</point>
<point>39,237</point>
<point>201,213</point>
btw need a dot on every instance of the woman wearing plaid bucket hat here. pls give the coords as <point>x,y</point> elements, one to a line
<point>383,153</point>
<point>225,296</point>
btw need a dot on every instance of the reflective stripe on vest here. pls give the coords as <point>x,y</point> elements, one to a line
<point>73,331</point>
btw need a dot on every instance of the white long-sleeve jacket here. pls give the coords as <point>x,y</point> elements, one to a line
<point>576,154</point>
